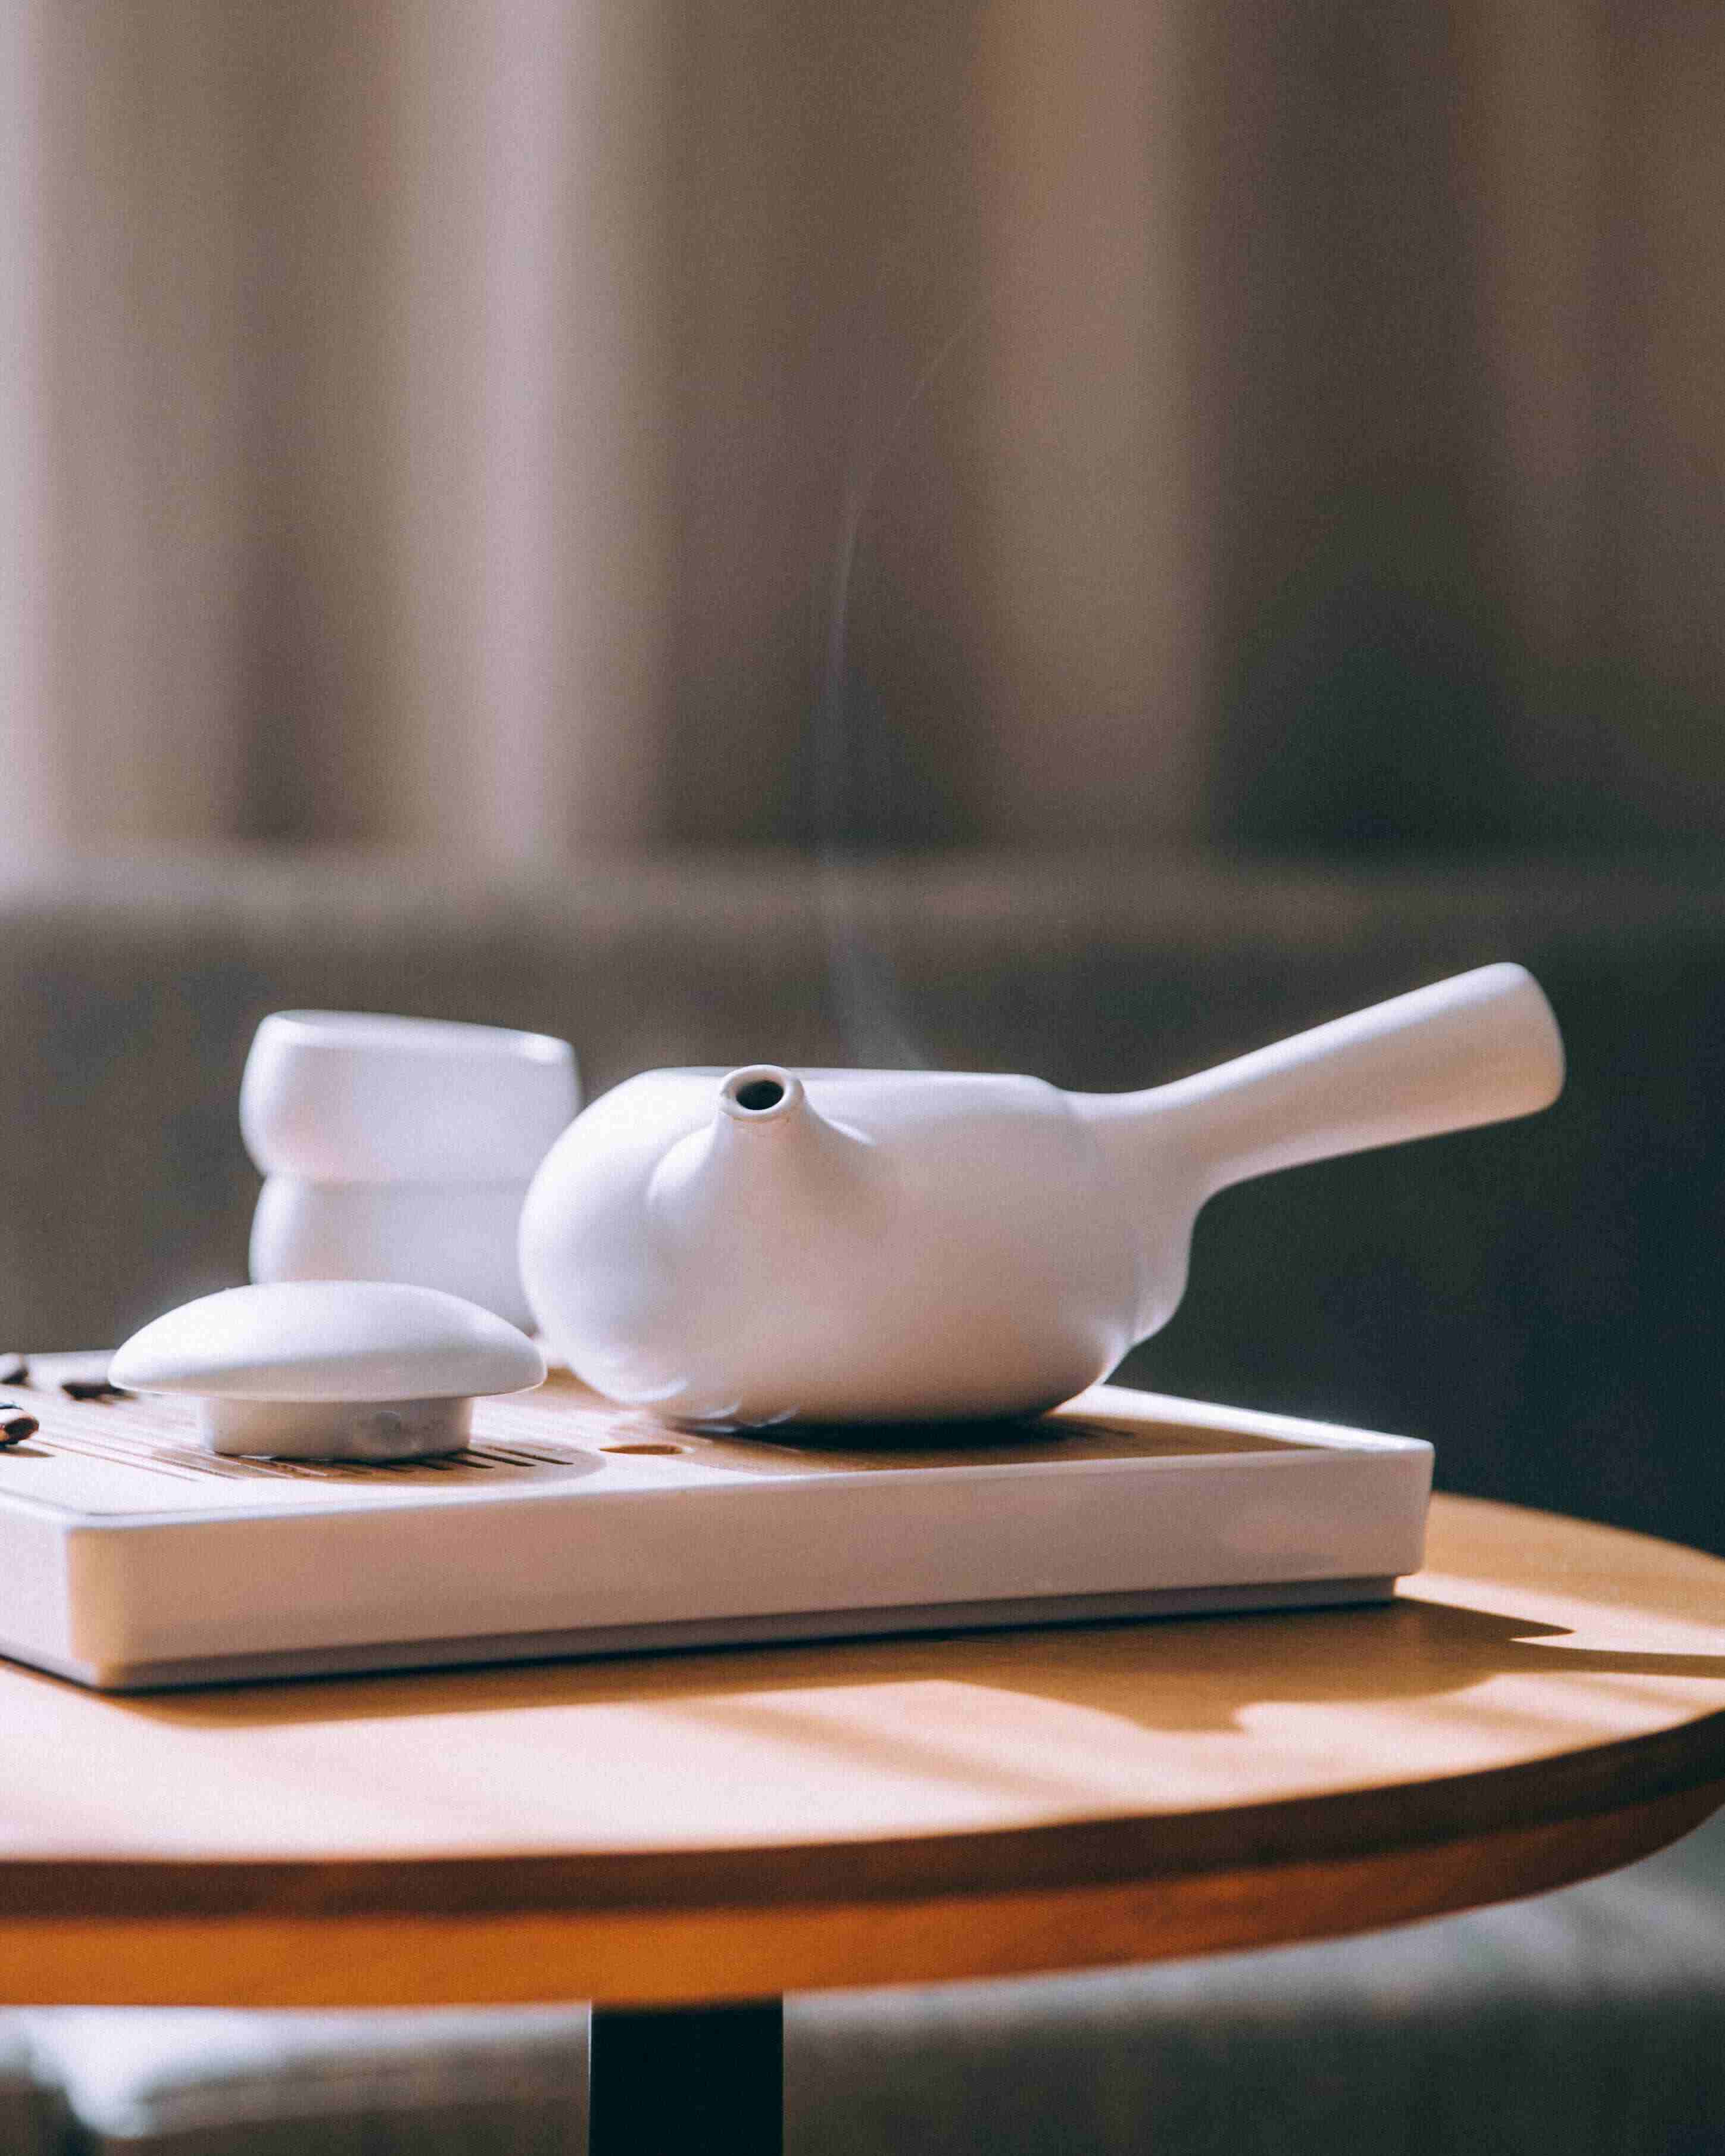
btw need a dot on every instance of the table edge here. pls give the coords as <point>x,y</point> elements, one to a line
<point>282,1957</point>
<point>1095,1850</point>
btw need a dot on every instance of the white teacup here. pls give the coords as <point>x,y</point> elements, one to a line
<point>347,1096</point>
<point>400,1149</point>
<point>460,1237</point>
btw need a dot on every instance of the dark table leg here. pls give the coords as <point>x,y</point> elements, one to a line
<point>701,2080</point>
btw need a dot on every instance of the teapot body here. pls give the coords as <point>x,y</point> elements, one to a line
<point>770,1246</point>
<point>884,1246</point>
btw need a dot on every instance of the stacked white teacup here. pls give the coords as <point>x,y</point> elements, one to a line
<point>400,1149</point>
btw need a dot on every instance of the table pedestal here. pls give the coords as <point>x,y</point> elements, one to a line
<point>704,2080</point>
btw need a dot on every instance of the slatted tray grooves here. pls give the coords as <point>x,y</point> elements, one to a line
<point>157,1436</point>
<point>559,1429</point>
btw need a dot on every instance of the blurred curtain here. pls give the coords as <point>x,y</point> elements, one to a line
<point>507,426</point>
<point>335,497</point>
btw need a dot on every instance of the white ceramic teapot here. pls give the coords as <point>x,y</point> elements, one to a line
<point>768,1246</point>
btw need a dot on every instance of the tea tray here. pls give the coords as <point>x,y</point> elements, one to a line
<point>130,1557</point>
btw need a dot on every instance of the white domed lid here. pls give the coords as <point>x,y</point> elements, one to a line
<point>329,1340</point>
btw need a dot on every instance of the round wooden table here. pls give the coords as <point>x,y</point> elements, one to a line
<point>685,1839</point>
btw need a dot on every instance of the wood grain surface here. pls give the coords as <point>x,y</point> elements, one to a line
<point>1546,1700</point>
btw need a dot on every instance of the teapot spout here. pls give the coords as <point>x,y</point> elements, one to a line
<point>768,1169</point>
<point>762,1093</point>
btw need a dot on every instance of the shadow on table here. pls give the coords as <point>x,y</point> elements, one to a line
<point>1192,1673</point>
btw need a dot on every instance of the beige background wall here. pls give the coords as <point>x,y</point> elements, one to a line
<point>437,423</point>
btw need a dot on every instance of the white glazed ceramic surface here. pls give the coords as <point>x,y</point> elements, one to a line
<point>344,1097</point>
<point>844,1246</point>
<point>577,1530</point>
<point>461,1237</point>
<point>351,1369</point>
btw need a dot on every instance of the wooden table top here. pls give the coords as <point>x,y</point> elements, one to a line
<point>1546,1700</point>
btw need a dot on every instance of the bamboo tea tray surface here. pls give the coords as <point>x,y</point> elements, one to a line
<point>130,1557</point>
